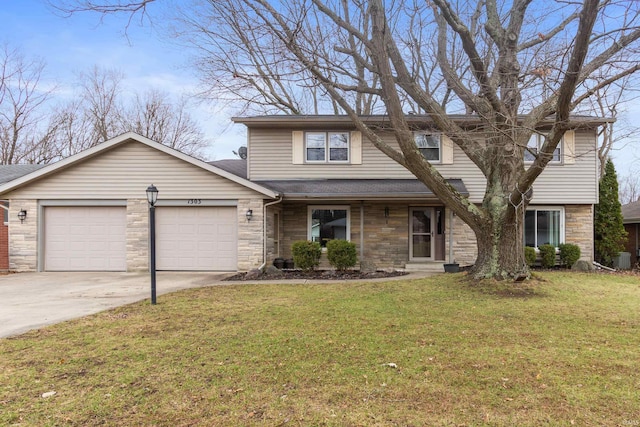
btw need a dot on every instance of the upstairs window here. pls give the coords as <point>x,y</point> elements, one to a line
<point>535,144</point>
<point>430,145</point>
<point>327,147</point>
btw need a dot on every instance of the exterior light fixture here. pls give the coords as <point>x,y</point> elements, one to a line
<point>152,195</point>
<point>152,198</point>
<point>249,214</point>
<point>22,215</point>
<point>386,212</point>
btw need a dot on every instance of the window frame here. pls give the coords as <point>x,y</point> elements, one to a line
<point>311,208</point>
<point>540,138</point>
<point>328,149</point>
<point>5,212</point>
<point>432,134</point>
<point>535,209</point>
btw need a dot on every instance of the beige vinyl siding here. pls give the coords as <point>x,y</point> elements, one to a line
<point>126,171</point>
<point>570,183</point>
<point>271,158</point>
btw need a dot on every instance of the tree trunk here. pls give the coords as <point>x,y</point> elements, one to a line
<point>501,244</point>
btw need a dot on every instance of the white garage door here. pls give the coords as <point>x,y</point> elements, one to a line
<point>196,238</point>
<point>84,238</point>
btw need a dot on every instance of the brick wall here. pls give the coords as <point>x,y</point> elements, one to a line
<point>633,242</point>
<point>4,247</point>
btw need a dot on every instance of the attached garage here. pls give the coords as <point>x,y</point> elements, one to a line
<point>196,238</point>
<point>85,238</point>
<point>89,212</point>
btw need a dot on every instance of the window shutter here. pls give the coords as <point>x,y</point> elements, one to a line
<point>447,150</point>
<point>356,148</point>
<point>569,141</point>
<point>297,147</point>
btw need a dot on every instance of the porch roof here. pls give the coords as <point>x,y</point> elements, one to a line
<point>364,189</point>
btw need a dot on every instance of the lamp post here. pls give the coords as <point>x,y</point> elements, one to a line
<point>152,198</point>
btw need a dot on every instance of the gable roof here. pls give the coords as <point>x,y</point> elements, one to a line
<point>117,141</point>
<point>631,212</point>
<point>11,172</point>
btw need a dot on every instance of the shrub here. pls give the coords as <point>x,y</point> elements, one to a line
<point>306,254</point>
<point>609,233</point>
<point>341,254</point>
<point>569,254</point>
<point>547,256</point>
<point>530,255</point>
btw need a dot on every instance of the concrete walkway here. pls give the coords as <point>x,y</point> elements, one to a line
<point>32,300</point>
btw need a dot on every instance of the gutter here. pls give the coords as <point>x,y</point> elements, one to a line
<point>264,230</point>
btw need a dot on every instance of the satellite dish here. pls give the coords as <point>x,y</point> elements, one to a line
<point>242,152</point>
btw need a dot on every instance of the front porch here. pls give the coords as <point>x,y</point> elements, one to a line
<point>407,235</point>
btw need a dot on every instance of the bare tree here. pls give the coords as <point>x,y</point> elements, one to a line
<point>521,66</point>
<point>630,188</point>
<point>22,106</point>
<point>156,117</point>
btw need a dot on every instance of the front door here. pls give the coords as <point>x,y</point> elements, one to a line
<point>421,242</point>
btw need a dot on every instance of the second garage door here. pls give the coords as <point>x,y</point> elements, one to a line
<point>196,238</point>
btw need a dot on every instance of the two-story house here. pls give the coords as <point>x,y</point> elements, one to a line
<point>304,178</point>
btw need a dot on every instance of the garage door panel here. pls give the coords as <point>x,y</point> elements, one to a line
<point>196,238</point>
<point>84,238</point>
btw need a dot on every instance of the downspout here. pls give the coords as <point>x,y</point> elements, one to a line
<point>264,230</point>
<point>361,232</point>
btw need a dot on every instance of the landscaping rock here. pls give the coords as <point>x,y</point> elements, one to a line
<point>582,265</point>
<point>273,272</point>
<point>254,274</point>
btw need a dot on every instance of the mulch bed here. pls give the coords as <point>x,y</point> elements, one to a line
<point>315,275</point>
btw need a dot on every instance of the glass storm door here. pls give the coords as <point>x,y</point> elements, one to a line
<point>421,234</point>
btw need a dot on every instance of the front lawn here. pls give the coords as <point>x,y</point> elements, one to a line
<point>563,350</point>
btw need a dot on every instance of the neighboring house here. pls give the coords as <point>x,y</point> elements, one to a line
<point>304,178</point>
<point>631,219</point>
<point>9,173</point>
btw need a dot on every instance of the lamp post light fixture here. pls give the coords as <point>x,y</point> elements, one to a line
<point>22,215</point>
<point>152,198</point>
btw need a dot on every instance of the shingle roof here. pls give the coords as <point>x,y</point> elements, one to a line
<point>11,172</point>
<point>631,212</point>
<point>237,167</point>
<point>356,188</point>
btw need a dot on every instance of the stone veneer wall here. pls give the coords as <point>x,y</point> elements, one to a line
<point>386,239</point>
<point>137,235</point>
<point>465,250</point>
<point>578,228</point>
<point>23,237</point>
<point>250,235</point>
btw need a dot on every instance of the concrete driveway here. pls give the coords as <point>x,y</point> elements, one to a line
<point>32,300</point>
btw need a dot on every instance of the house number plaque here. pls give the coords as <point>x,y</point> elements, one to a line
<point>194,201</point>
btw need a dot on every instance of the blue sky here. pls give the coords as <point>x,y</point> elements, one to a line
<point>73,45</point>
<point>69,46</point>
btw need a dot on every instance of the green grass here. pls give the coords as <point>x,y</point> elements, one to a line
<point>563,350</point>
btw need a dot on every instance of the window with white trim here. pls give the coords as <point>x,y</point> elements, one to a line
<point>328,223</point>
<point>535,145</point>
<point>323,147</point>
<point>430,145</point>
<point>544,226</point>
